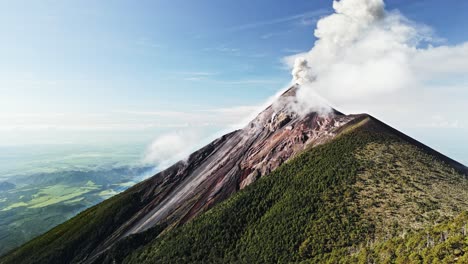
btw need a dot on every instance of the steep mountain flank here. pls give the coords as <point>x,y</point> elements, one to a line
<point>190,187</point>
<point>297,188</point>
<point>442,243</point>
<point>366,186</point>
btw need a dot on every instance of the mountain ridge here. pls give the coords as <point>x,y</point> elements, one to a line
<point>239,159</point>
<point>314,208</point>
<point>210,176</point>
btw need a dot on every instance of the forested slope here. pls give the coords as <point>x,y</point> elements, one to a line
<point>365,187</point>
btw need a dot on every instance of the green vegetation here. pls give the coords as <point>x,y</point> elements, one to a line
<point>406,189</point>
<point>319,207</point>
<point>443,243</point>
<point>365,197</point>
<point>15,205</point>
<point>125,184</point>
<point>60,193</point>
<point>108,193</point>
<point>77,200</point>
<point>40,202</point>
<point>84,232</point>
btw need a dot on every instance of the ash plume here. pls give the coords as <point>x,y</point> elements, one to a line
<point>364,53</point>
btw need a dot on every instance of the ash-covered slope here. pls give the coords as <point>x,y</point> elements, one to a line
<point>240,158</point>
<point>350,200</point>
<point>187,189</point>
<point>227,165</point>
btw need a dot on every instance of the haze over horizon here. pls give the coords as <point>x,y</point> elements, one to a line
<point>233,131</point>
<point>89,73</point>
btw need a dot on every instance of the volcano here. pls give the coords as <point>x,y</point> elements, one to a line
<point>285,188</point>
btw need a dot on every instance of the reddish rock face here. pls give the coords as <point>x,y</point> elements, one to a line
<point>229,164</point>
<point>232,162</point>
<point>240,158</point>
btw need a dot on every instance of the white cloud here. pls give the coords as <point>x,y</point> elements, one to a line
<point>441,61</point>
<point>124,120</point>
<point>222,117</point>
<point>172,147</point>
<point>367,59</point>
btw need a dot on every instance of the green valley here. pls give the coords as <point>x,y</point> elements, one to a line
<point>40,202</point>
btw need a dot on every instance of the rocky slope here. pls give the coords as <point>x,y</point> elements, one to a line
<point>229,164</point>
<point>329,204</point>
<point>209,176</point>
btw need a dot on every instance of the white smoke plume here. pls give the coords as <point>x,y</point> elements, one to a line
<point>365,59</point>
<point>363,52</point>
<point>169,148</point>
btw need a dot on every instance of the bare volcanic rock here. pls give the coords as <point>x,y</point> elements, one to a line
<point>229,164</point>
<point>191,187</point>
<point>239,159</point>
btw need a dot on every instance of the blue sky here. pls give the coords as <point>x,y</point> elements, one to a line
<point>110,67</point>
